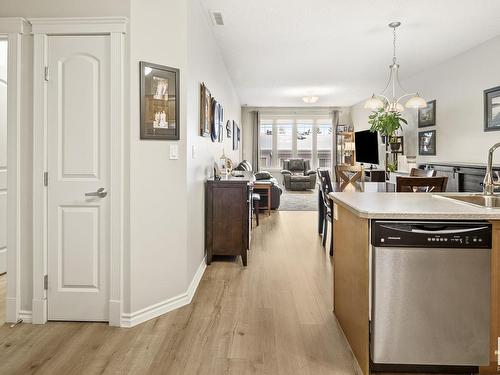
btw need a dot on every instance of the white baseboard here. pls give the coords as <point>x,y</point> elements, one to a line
<point>26,316</point>
<point>153,311</point>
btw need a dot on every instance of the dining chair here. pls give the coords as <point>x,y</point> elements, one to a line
<point>349,174</point>
<point>417,172</point>
<point>325,188</point>
<point>421,184</point>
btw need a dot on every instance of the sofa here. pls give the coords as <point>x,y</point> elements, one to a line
<point>298,175</point>
<point>276,189</point>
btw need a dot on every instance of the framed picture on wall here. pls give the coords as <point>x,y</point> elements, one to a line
<point>236,135</point>
<point>159,96</point>
<point>427,142</point>
<point>492,109</point>
<point>205,110</point>
<point>427,115</point>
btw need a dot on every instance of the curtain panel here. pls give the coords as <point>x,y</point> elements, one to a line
<point>255,141</point>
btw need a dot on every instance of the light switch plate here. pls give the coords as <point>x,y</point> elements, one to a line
<point>174,152</point>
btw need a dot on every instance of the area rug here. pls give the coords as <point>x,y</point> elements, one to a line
<point>299,200</point>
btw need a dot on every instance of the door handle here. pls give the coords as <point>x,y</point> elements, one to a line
<point>101,193</point>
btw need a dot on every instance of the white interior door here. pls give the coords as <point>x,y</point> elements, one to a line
<point>78,164</point>
<point>3,156</point>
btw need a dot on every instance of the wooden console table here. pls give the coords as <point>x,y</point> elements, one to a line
<point>228,215</point>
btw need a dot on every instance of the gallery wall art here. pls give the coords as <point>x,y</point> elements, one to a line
<point>159,102</point>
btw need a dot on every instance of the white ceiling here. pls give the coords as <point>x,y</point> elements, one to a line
<point>277,51</point>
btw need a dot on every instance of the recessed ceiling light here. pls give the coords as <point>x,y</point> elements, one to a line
<point>216,18</point>
<point>310,99</point>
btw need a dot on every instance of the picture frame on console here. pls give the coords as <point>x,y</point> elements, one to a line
<point>427,115</point>
<point>492,109</point>
<point>159,102</point>
<point>427,143</point>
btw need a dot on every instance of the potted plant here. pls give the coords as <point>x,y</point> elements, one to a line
<point>387,124</point>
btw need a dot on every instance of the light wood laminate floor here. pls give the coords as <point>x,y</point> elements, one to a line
<point>272,317</point>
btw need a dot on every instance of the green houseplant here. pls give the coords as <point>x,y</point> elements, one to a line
<point>386,123</point>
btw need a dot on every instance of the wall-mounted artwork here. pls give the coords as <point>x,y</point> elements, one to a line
<point>229,125</point>
<point>492,109</point>
<point>159,95</point>
<point>427,142</point>
<point>214,120</point>
<point>205,110</point>
<point>427,115</point>
<point>236,135</point>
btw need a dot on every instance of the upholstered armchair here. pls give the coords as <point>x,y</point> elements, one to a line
<point>298,175</point>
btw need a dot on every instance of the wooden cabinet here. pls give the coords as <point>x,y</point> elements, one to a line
<point>228,216</point>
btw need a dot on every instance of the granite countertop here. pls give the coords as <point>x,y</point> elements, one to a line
<point>410,206</point>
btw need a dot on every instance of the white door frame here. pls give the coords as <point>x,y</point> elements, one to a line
<point>115,27</point>
<point>13,28</point>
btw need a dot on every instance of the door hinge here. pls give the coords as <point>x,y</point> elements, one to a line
<point>46,72</point>
<point>45,178</point>
<point>46,282</point>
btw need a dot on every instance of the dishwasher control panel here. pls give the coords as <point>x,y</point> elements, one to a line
<point>446,234</point>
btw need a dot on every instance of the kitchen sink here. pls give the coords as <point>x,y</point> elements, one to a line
<point>479,200</point>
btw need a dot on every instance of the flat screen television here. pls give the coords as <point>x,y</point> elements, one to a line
<point>366,144</point>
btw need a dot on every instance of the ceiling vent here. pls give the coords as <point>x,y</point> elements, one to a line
<point>217,18</point>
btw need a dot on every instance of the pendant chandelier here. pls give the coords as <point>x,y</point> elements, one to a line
<point>389,101</point>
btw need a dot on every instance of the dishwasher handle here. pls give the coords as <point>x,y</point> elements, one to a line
<point>446,231</point>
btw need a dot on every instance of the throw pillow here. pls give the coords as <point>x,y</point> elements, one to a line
<point>263,175</point>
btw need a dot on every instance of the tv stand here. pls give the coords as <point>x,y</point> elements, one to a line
<point>375,175</point>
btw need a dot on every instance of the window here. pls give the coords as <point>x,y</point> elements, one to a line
<point>266,143</point>
<point>325,142</point>
<point>285,140</point>
<point>305,137</point>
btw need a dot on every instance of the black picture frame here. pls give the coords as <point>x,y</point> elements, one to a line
<point>159,102</point>
<point>492,109</point>
<point>427,115</point>
<point>236,135</point>
<point>427,143</point>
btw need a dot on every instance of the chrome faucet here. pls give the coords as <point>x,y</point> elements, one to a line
<point>488,183</point>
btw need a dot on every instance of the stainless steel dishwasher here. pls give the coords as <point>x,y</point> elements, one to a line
<point>430,288</point>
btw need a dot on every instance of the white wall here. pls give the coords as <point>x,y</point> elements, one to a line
<point>457,85</point>
<point>205,64</point>
<point>158,197</point>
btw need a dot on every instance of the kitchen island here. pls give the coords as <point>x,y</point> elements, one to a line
<point>353,217</point>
